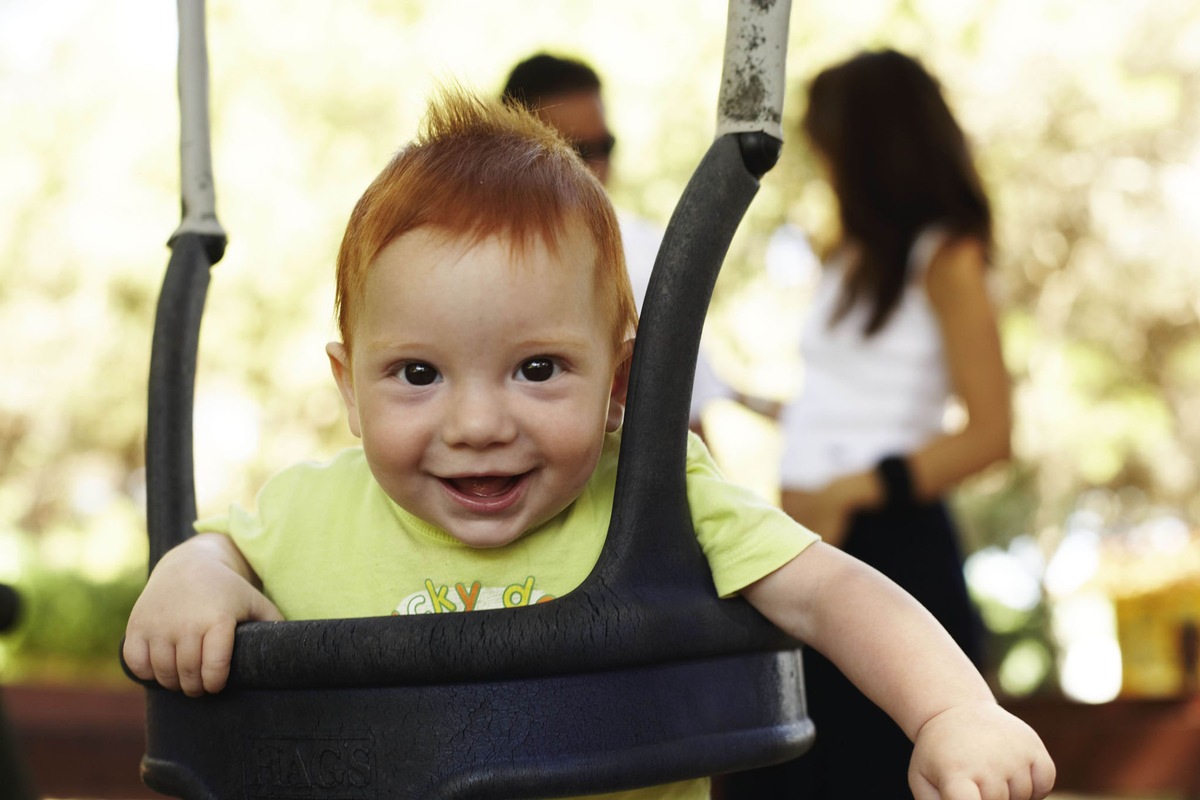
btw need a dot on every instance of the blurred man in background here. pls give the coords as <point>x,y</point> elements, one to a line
<point>566,94</point>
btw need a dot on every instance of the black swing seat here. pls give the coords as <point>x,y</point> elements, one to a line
<point>640,676</point>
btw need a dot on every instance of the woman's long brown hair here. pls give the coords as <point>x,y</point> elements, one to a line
<point>899,162</point>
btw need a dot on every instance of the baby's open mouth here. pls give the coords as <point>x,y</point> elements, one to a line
<point>485,485</point>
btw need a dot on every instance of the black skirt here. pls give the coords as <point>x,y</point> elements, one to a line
<point>859,753</point>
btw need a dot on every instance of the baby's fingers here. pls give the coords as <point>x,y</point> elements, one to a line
<point>187,665</point>
<point>954,789</point>
<point>217,654</point>
<point>1044,774</point>
<point>136,653</point>
<point>162,664</point>
<point>1020,785</point>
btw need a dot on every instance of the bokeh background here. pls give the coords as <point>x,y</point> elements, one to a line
<point>1084,116</point>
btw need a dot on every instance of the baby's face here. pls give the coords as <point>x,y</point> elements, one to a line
<point>481,388</point>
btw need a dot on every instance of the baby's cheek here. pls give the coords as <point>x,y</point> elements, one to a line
<point>585,458</point>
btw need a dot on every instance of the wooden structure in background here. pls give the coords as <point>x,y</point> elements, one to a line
<point>1126,748</point>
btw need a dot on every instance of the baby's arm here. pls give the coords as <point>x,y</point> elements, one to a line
<point>887,644</point>
<point>180,632</point>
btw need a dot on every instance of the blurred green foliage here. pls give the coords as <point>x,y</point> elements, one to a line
<point>70,627</point>
<point>1084,117</point>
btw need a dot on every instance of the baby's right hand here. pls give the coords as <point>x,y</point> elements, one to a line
<point>979,751</point>
<point>180,632</point>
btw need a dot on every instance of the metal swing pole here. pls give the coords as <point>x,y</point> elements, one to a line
<point>754,80</point>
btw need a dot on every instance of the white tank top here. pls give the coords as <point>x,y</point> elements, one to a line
<point>865,398</point>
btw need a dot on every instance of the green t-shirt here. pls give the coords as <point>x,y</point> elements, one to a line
<point>327,542</point>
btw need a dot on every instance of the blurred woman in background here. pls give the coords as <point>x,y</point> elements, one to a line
<point>901,323</point>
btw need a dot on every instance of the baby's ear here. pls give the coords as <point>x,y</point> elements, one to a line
<point>339,362</point>
<point>620,388</point>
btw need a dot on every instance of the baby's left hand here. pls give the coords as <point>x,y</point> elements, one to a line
<point>979,751</point>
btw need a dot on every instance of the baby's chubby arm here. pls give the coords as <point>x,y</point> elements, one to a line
<point>180,632</point>
<point>966,746</point>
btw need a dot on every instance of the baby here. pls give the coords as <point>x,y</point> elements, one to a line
<point>486,324</point>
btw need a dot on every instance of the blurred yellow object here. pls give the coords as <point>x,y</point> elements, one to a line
<point>1159,634</point>
<point>1154,584</point>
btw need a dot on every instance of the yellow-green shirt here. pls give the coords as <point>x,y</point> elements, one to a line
<point>327,542</point>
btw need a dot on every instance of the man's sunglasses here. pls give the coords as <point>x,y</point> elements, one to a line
<point>595,149</point>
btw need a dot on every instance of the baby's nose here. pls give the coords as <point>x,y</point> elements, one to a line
<point>478,417</point>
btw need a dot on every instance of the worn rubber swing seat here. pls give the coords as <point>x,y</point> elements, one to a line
<point>640,676</point>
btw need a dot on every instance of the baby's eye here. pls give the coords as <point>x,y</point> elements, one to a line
<point>418,373</point>
<point>542,368</point>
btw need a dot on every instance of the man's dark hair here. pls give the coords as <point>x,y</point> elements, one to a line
<point>544,75</point>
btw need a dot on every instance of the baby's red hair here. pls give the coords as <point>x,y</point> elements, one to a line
<point>479,169</point>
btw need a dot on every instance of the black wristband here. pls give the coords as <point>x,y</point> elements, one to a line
<point>897,482</point>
